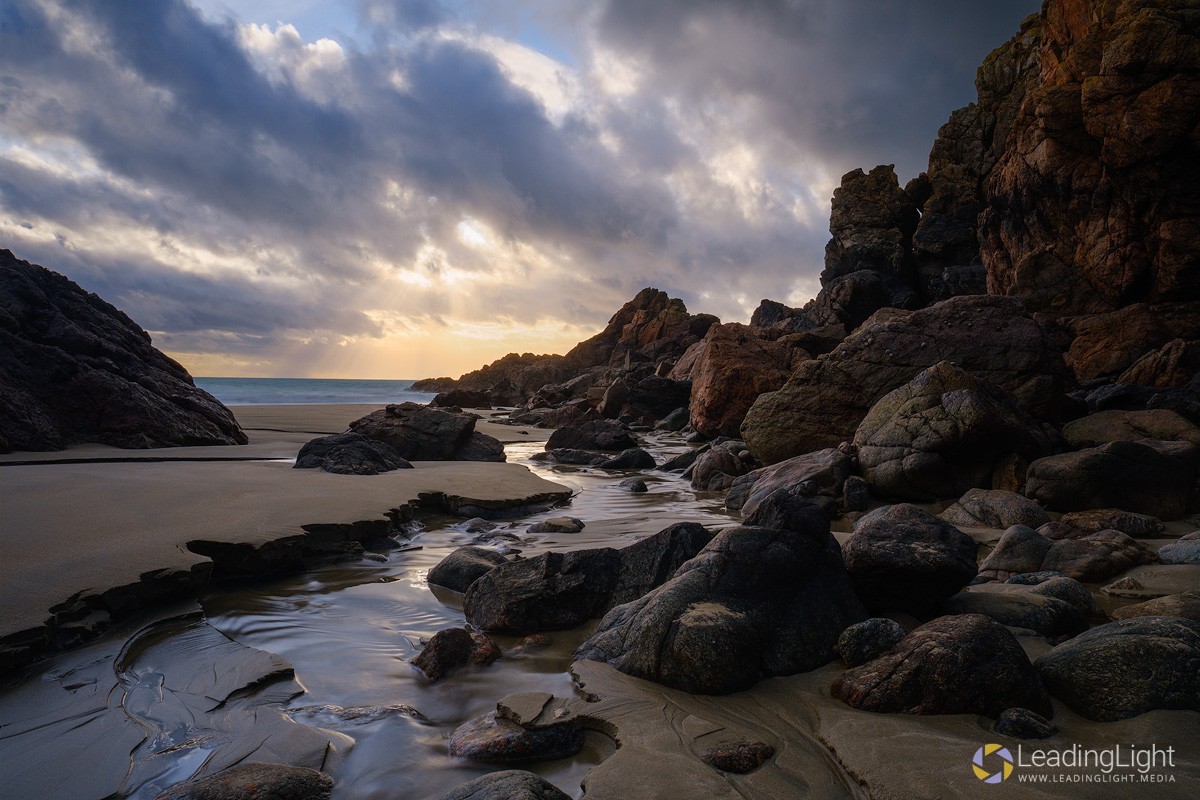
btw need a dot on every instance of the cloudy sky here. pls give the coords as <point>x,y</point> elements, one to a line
<point>402,188</point>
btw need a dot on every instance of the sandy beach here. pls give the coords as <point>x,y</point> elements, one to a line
<point>92,519</point>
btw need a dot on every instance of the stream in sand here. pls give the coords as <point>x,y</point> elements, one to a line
<point>149,703</point>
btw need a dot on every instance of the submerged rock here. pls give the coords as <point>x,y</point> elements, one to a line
<point>964,664</point>
<point>509,784</point>
<point>255,782</point>
<point>902,558</point>
<point>1127,668</point>
<point>493,738</point>
<point>349,454</point>
<point>453,648</point>
<point>557,525</point>
<point>754,602</point>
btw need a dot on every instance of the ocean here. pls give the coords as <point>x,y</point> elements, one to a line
<point>308,391</point>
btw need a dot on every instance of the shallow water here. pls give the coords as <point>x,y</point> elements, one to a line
<point>349,630</point>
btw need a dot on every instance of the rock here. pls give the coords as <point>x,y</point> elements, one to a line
<point>1174,365</point>
<point>1185,401</point>
<point>557,525</point>
<point>715,469</point>
<point>651,326</point>
<point>254,782</point>
<point>856,494</point>
<point>1128,586</point>
<point>1020,550</point>
<point>594,435</point>
<point>788,510</point>
<point>658,396</point>
<point>681,461</point>
<point>740,758</point>
<point>633,458</point>
<point>852,299</point>
<point>754,602</point>
<point>677,420</point>
<point>1180,553</point>
<point>1021,723</point>
<point>1034,578</point>
<point>555,591</point>
<point>984,508</point>
<point>453,648</point>
<point>866,640</point>
<point>510,380</point>
<point>459,570</point>
<point>1126,668</point>
<point>1070,591</point>
<point>419,433</point>
<point>1091,205</point>
<point>349,454</point>
<point>635,485</point>
<point>75,369</point>
<point>1115,426</point>
<point>733,368</point>
<point>509,784</point>
<point>491,738</point>
<point>901,558</point>
<point>1133,476</point>
<point>1106,345</point>
<point>615,397</point>
<point>941,434</point>
<point>1111,519</point>
<point>565,455</point>
<point>1046,615</point>
<point>825,470</point>
<point>826,398</point>
<point>964,664</point>
<point>462,398</point>
<point>872,223</point>
<point>1185,605</point>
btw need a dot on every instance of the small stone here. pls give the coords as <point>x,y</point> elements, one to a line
<point>1021,723</point>
<point>739,758</point>
<point>635,485</point>
<point>557,525</point>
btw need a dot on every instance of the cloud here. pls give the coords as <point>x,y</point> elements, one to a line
<point>242,188</point>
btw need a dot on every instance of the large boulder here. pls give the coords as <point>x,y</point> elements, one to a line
<point>1175,364</point>
<point>902,558</point>
<point>554,591</point>
<point>1126,668</point>
<point>252,781</point>
<point>994,508</point>
<point>1145,477</point>
<point>826,398</point>
<point>459,570</point>
<point>75,369</point>
<point>496,739</point>
<point>421,433</point>
<point>1184,604</point>
<point>872,223</point>
<point>1092,205</point>
<point>1091,557</point>
<point>349,454</point>
<point>651,326</point>
<point>941,434</point>
<point>755,602</point>
<point>1049,616</point>
<point>1116,426</point>
<point>850,300</point>
<point>962,664</point>
<point>716,467</point>
<point>1108,345</point>
<point>734,367</point>
<point>824,472</point>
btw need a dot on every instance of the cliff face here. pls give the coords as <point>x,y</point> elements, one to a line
<point>75,369</point>
<point>1095,202</point>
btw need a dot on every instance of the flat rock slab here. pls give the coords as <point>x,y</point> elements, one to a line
<point>67,528</point>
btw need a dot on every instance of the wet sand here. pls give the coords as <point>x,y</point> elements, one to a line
<point>78,521</point>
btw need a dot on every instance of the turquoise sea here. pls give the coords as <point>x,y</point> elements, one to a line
<point>305,391</point>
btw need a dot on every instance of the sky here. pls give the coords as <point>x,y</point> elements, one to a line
<point>412,188</point>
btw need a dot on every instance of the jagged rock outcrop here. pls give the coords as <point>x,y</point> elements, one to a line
<point>420,433</point>
<point>872,223</point>
<point>74,369</point>
<point>1093,204</point>
<point>826,398</point>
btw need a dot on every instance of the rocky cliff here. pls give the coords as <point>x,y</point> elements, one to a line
<point>75,369</point>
